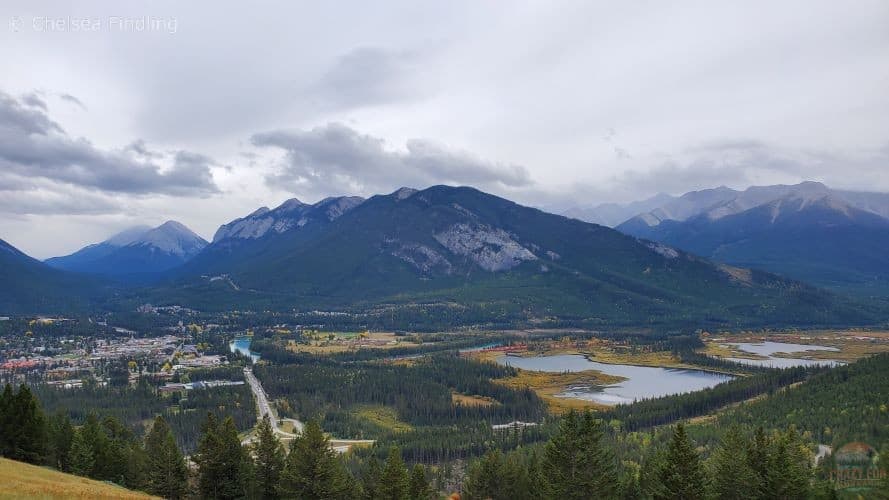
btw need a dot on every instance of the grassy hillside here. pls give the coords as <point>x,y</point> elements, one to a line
<point>20,480</point>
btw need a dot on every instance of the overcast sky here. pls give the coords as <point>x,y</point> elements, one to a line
<point>120,113</point>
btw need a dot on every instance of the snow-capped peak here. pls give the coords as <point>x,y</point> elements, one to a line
<point>127,236</point>
<point>171,237</point>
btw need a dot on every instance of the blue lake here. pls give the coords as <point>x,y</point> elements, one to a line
<point>641,382</point>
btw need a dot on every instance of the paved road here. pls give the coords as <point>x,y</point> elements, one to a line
<point>264,407</point>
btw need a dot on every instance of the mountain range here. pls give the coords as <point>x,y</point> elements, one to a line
<point>835,239</point>
<point>140,250</point>
<point>469,249</point>
<point>476,256</point>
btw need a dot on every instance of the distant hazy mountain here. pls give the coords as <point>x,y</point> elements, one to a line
<point>722,201</point>
<point>612,214</point>
<point>30,286</point>
<point>476,253</point>
<point>138,250</point>
<point>807,232</point>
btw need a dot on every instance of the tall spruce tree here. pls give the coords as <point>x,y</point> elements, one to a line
<point>60,432</point>
<point>789,472</point>
<point>24,427</point>
<point>223,465</point>
<point>371,479</point>
<point>419,488</point>
<point>733,477</point>
<point>485,478</point>
<point>576,464</point>
<point>395,481</point>
<point>269,458</point>
<point>166,471</point>
<point>313,470</point>
<point>81,458</point>
<point>681,475</point>
<point>6,427</point>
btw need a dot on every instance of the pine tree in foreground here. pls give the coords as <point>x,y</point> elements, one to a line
<point>395,481</point>
<point>681,475</point>
<point>313,470</point>
<point>419,488</point>
<point>81,456</point>
<point>733,477</point>
<point>269,460</point>
<point>223,469</point>
<point>576,464</point>
<point>166,474</point>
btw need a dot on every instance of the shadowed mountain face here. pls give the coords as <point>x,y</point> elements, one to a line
<point>30,286</point>
<point>464,247</point>
<point>810,233</point>
<point>136,251</point>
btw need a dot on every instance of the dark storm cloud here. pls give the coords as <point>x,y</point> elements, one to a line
<point>336,158</point>
<point>33,145</point>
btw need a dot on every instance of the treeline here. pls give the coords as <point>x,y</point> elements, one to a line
<point>420,391</point>
<point>134,405</point>
<point>224,467</point>
<point>836,406</point>
<point>664,410</point>
<point>578,464</point>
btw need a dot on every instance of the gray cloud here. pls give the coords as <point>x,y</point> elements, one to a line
<point>367,76</point>
<point>336,159</point>
<point>34,100</point>
<point>73,100</point>
<point>31,144</point>
<point>740,163</point>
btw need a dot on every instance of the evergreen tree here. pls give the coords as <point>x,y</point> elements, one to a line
<point>24,427</point>
<point>60,433</point>
<point>419,488</point>
<point>117,455</point>
<point>81,457</point>
<point>312,469</point>
<point>758,461</point>
<point>485,478</point>
<point>681,475</point>
<point>96,439</point>
<point>395,480</point>
<point>789,467</point>
<point>371,478</point>
<point>733,477</point>
<point>269,459</point>
<point>207,458</point>
<point>6,424</point>
<point>576,464</point>
<point>166,472</point>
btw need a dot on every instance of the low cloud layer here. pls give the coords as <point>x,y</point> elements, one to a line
<point>337,159</point>
<point>33,145</point>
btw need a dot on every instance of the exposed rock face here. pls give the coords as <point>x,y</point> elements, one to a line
<point>492,249</point>
<point>291,214</point>
<point>664,250</point>
<point>423,258</point>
